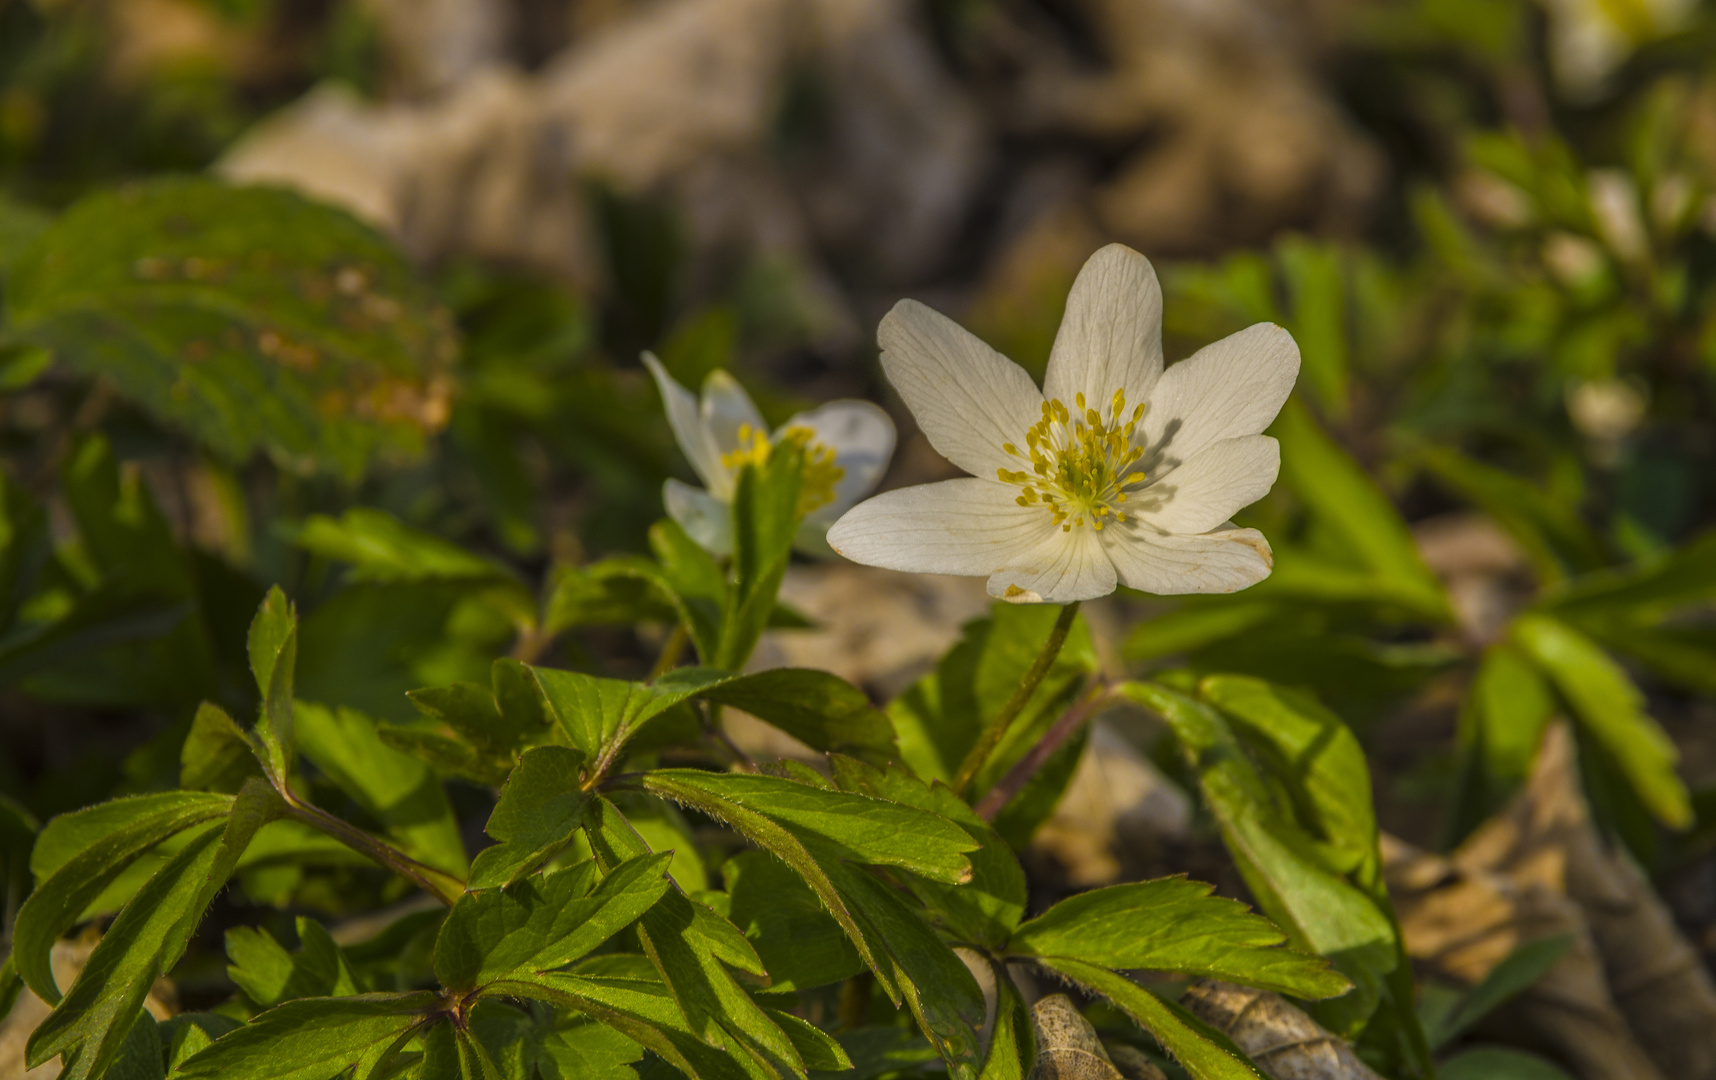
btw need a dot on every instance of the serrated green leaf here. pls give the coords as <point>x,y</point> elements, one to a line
<point>312,1039</point>
<point>640,1009</point>
<point>88,1025</point>
<point>939,718</point>
<point>691,947</point>
<point>818,1049</point>
<point>306,334</point>
<point>444,753</point>
<point>599,714</point>
<point>539,924</point>
<point>1172,924</point>
<point>582,1049</point>
<point>273,648</point>
<point>398,790</point>
<point>539,809</point>
<point>190,1033</point>
<point>269,975</point>
<point>1286,869</point>
<point>143,1056</point>
<point>1204,1053</point>
<point>77,856</point>
<point>217,755</point>
<point>1611,709</point>
<point>983,910</point>
<point>821,710</point>
<point>851,826</point>
<point>799,943</point>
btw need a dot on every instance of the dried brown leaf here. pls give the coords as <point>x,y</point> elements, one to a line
<point>1283,1041</point>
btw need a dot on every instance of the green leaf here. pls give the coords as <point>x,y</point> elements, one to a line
<point>800,944</point>
<point>1549,532</point>
<point>851,826</point>
<point>539,924</point>
<point>445,754</point>
<point>273,646</point>
<point>188,1034</point>
<point>1341,497</point>
<point>143,1056</point>
<point>1685,576</point>
<point>249,317</point>
<point>821,710</point>
<point>815,1047</point>
<point>1528,962</point>
<point>581,1049</point>
<point>379,547</point>
<point>983,910</point>
<point>399,791</point>
<point>269,975</point>
<point>1172,924</point>
<point>1012,1045</point>
<point>1286,869</point>
<point>1611,710</point>
<point>1204,1053</point>
<point>313,1039</point>
<point>765,519</point>
<point>1501,723</point>
<point>1316,279</point>
<point>939,718</point>
<point>1315,755</point>
<point>1498,1063</point>
<point>643,1011</point>
<point>217,755</point>
<point>77,856</point>
<point>90,1023</point>
<point>24,549</point>
<point>598,715</point>
<point>539,809</point>
<point>470,710</point>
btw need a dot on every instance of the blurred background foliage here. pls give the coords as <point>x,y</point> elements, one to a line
<point>400,377</point>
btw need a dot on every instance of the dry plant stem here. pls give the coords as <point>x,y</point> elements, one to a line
<point>996,798</point>
<point>991,737</point>
<point>437,883</point>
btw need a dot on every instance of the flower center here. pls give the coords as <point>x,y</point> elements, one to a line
<point>1080,462</point>
<point>819,476</point>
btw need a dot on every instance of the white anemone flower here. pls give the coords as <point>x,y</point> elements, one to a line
<point>847,446</point>
<point>1116,471</point>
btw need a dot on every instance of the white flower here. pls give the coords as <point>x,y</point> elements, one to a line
<point>1116,471</point>
<point>847,446</point>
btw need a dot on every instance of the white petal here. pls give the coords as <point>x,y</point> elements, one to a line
<point>688,427</point>
<point>1111,336</point>
<point>1231,388</point>
<point>967,527</point>
<point>862,438</point>
<point>705,519</point>
<point>1225,560</point>
<point>1207,490</point>
<point>726,409</point>
<point>1066,566</point>
<point>968,399</point>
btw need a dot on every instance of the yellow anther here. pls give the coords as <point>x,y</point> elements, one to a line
<point>817,479</point>
<point>1080,461</point>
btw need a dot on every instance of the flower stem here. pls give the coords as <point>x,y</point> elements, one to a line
<point>437,883</point>
<point>996,798</point>
<point>991,737</point>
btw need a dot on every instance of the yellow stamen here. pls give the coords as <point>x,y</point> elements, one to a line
<point>819,476</point>
<point>1081,460</point>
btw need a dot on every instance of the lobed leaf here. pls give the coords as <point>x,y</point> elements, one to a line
<point>1172,924</point>
<point>314,1039</point>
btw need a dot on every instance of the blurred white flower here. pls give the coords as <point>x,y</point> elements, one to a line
<point>1615,205</point>
<point>1589,39</point>
<point>1116,471</point>
<point>847,445</point>
<point>1606,410</point>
